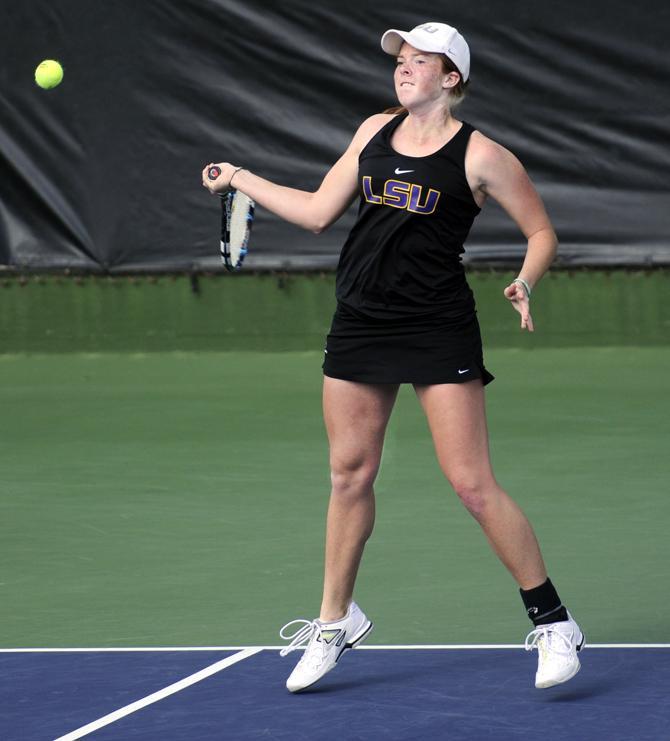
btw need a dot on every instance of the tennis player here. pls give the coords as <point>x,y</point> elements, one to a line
<point>405,314</point>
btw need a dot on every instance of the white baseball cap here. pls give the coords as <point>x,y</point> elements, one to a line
<point>434,37</point>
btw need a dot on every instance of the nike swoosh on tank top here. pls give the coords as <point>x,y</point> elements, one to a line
<point>403,255</point>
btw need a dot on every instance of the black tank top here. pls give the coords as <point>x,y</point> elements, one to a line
<point>403,255</point>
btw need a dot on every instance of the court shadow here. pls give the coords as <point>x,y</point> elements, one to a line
<point>585,691</point>
<point>369,679</point>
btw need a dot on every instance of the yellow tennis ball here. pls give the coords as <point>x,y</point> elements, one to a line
<point>48,74</point>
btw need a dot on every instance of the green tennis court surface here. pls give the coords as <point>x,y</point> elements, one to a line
<point>179,499</point>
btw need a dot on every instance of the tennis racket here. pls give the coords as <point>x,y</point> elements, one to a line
<point>237,216</point>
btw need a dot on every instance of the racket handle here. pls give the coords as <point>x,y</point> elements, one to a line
<point>213,172</point>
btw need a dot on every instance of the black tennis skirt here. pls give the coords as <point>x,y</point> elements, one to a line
<point>420,350</point>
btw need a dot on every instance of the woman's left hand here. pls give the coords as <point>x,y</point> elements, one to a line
<point>516,293</point>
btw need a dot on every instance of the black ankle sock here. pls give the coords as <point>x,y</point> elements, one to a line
<point>543,604</point>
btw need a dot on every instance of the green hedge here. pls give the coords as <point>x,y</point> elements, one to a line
<point>249,311</point>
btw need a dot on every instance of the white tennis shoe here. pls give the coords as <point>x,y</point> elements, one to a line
<point>557,645</point>
<point>324,643</point>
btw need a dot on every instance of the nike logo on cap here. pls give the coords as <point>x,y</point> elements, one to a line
<point>398,171</point>
<point>461,372</point>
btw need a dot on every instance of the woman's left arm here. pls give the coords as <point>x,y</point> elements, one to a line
<point>497,173</point>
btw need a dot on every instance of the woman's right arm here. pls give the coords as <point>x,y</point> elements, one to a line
<point>314,211</point>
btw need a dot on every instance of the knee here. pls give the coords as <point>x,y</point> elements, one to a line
<point>352,478</point>
<point>475,494</point>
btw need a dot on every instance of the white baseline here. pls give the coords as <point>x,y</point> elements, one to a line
<point>256,649</point>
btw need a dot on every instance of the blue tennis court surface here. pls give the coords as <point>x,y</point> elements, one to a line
<point>474,694</point>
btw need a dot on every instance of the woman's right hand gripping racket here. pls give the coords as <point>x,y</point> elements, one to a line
<point>237,215</point>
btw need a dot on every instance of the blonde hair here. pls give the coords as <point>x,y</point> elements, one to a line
<point>456,93</point>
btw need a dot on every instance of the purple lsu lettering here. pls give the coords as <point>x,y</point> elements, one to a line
<point>399,194</point>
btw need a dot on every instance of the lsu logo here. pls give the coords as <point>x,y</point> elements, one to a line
<point>399,194</point>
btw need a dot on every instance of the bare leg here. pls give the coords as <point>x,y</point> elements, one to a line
<point>457,419</point>
<point>356,416</point>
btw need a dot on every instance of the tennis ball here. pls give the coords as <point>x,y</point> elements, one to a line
<point>48,74</point>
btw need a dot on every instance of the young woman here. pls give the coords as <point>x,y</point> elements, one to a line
<point>405,314</point>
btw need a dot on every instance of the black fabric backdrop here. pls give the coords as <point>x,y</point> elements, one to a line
<point>103,173</point>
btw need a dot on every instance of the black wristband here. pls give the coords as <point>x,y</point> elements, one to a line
<point>230,182</point>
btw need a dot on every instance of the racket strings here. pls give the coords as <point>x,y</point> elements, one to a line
<point>238,212</point>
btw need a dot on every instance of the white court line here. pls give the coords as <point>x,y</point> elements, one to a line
<point>128,649</point>
<point>456,647</point>
<point>396,647</point>
<point>469,646</point>
<point>156,696</point>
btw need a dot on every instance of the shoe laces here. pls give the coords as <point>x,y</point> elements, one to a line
<point>548,638</point>
<point>302,637</point>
